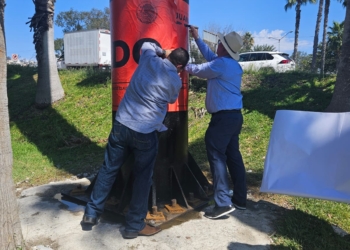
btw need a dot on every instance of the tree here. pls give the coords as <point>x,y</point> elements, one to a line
<point>335,41</point>
<point>324,37</point>
<point>303,62</point>
<point>264,47</point>
<point>70,20</point>
<point>333,49</point>
<point>317,31</point>
<point>341,97</point>
<point>332,52</point>
<point>59,48</point>
<point>97,19</point>
<point>10,229</point>
<point>83,20</point>
<point>248,42</point>
<point>297,4</point>
<point>49,87</point>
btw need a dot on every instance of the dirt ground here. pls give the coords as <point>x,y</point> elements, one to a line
<point>51,223</point>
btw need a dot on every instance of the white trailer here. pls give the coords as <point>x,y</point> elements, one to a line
<point>87,48</point>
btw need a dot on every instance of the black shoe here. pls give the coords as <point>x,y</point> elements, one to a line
<point>240,206</point>
<point>219,211</point>
<point>89,220</point>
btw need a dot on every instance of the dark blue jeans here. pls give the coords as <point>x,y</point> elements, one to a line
<point>222,144</point>
<point>121,142</point>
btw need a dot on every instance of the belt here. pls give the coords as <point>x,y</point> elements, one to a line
<point>227,111</point>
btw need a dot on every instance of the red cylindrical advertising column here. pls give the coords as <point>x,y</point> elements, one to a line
<point>136,21</point>
<point>133,22</point>
<point>162,22</point>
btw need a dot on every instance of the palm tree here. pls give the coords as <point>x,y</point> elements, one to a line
<point>341,97</point>
<point>335,42</point>
<point>297,4</point>
<point>49,87</point>
<point>317,31</point>
<point>10,229</point>
<point>325,25</point>
<point>248,42</point>
<point>324,37</point>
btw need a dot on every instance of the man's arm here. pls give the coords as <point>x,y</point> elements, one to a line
<point>148,46</point>
<point>153,48</point>
<point>207,53</point>
<point>206,70</point>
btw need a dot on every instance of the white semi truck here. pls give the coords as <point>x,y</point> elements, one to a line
<point>87,48</point>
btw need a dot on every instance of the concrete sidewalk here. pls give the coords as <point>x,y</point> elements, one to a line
<point>49,223</point>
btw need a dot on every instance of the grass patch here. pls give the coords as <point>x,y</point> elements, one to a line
<point>65,139</point>
<point>69,138</point>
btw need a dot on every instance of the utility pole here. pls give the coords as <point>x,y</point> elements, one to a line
<point>279,39</point>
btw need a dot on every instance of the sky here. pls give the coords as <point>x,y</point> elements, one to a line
<point>262,18</point>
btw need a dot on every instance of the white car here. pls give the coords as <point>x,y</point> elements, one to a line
<point>266,60</point>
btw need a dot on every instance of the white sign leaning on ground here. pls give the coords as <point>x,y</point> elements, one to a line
<point>308,155</point>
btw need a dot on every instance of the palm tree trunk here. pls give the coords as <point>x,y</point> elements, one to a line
<point>324,42</point>
<point>341,97</point>
<point>297,24</point>
<point>49,87</point>
<point>10,229</point>
<point>317,31</point>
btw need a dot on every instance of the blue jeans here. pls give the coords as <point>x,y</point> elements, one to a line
<point>222,144</point>
<point>121,142</point>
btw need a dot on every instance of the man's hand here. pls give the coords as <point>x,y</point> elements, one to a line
<point>194,32</point>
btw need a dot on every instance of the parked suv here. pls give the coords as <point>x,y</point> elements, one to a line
<point>270,60</point>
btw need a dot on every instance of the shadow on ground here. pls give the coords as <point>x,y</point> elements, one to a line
<point>62,143</point>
